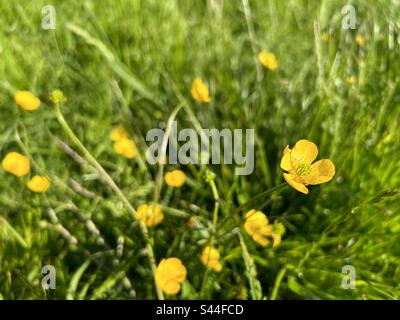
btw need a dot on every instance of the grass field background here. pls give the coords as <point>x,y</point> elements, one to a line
<point>132,62</point>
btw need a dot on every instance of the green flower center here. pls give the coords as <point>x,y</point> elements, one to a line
<point>304,170</point>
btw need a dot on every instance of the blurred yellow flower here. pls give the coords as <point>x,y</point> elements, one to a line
<point>57,96</point>
<point>175,178</point>
<point>150,214</point>
<point>360,40</point>
<point>118,133</point>
<point>193,222</point>
<point>301,169</point>
<point>169,275</point>
<point>210,258</point>
<point>158,114</point>
<point>16,164</point>
<point>268,60</point>
<point>38,184</point>
<point>125,147</point>
<point>200,91</point>
<point>258,227</point>
<point>276,239</point>
<point>26,100</point>
<point>351,80</point>
<point>325,37</point>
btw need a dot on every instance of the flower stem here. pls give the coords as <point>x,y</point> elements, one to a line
<point>210,177</point>
<point>164,145</point>
<point>107,178</point>
<point>245,205</point>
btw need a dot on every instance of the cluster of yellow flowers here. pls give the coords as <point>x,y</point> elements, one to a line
<point>18,164</point>
<point>298,162</point>
<point>123,145</point>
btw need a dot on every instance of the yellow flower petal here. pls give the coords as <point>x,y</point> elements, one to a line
<point>360,40</point>
<point>16,164</point>
<point>26,100</point>
<point>285,161</point>
<point>268,60</point>
<point>304,152</point>
<point>169,275</point>
<point>172,287</point>
<point>200,91</point>
<point>38,184</point>
<point>261,240</point>
<point>125,147</point>
<point>290,179</point>
<point>323,171</point>
<point>175,178</point>
<point>257,226</point>
<point>210,258</point>
<point>118,133</point>
<point>276,238</point>
<point>150,215</point>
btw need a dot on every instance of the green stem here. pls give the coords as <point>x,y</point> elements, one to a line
<point>211,181</point>
<point>107,178</point>
<point>245,205</point>
<point>277,283</point>
<point>162,161</point>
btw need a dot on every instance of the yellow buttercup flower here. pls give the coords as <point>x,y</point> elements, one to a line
<point>200,91</point>
<point>258,227</point>
<point>268,60</point>
<point>210,258</point>
<point>118,133</point>
<point>16,164</point>
<point>150,214</point>
<point>360,40</point>
<point>169,275</point>
<point>125,147</point>
<point>38,184</point>
<point>26,100</point>
<point>301,169</point>
<point>175,178</point>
